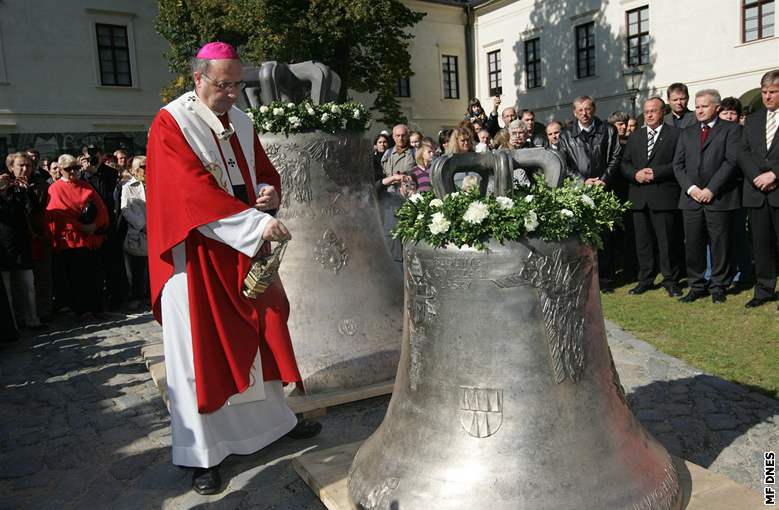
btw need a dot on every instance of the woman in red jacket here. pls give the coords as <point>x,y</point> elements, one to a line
<point>77,218</point>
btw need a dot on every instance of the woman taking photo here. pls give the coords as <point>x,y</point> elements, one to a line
<point>77,217</point>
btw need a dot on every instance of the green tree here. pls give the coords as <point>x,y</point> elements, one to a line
<point>364,41</point>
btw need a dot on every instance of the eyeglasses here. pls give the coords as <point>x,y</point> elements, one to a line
<point>224,85</point>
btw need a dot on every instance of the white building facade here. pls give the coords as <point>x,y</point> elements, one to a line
<point>79,72</point>
<point>555,50</point>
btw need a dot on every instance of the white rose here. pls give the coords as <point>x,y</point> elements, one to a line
<point>567,212</point>
<point>263,109</point>
<point>290,105</point>
<point>531,221</point>
<point>436,202</point>
<point>588,201</point>
<point>335,109</point>
<point>529,198</point>
<point>416,197</point>
<point>294,120</point>
<point>356,114</point>
<point>278,112</point>
<point>310,110</point>
<point>476,212</point>
<point>439,224</point>
<point>325,117</point>
<point>504,203</point>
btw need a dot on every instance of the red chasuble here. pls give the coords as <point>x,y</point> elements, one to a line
<point>227,327</point>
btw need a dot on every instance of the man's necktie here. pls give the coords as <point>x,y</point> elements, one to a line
<point>770,128</point>
<point>650,142</point>
<point>704,134</point>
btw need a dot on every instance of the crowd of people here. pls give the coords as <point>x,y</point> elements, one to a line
<point>72,237</point>
<point>701,183</point>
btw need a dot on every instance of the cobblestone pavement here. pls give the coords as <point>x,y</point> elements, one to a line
<point>83,426</point>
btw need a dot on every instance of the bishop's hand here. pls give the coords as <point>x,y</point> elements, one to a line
<point>268,199</point>
<point>276,231</point>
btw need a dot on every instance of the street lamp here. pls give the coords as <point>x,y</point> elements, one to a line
<point>632,78</point>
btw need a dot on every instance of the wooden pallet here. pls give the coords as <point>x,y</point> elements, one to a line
<point>310,406</point>
<point>325,473</point>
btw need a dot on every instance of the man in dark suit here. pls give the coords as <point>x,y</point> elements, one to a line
<point>705,164</point>
<point>678,97</point>
<point>647,165</point>
<point>592,152</point>
<point>759,160</point>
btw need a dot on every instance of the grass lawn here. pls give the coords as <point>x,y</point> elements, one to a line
<point>728,340</point>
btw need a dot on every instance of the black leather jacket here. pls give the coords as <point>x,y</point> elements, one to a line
<point>598,155</point>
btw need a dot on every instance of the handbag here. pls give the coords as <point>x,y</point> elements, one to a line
<point>135,243</point>
<point>264,269</point>
<point>88,213</point>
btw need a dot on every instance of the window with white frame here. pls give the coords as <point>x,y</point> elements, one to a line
<point>638,36</point>
<point>450,79</point>
<point>759,19</point>
<point>494,73</point>
<point>585,50</point>
<point>533,63</point>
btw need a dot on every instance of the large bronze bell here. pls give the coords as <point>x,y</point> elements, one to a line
<point>344,291</point>
<point>506,395</point>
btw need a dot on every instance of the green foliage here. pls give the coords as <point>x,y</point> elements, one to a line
<point>364,41</point>
<point>281,117</point>
<point>553,214</point>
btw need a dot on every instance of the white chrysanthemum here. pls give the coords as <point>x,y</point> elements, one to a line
<point>278,112</point>
<point>263,109</point>
<point>290,105</point>
<point>439,224</point>
<point>335,109</point>
<point>310,110</point>
<point>567,212</point>
<point>325,117</point>
<point>294,120</point>
<point>531,221</point>
<point>504,203</point>
<point>476,212</point>
<point>588,201</point>
<point>357,114</point>
<point>436,202</point>
<point>529,198</point>
<point>416,197</point>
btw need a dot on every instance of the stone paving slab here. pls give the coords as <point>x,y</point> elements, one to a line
<point>82,424</point>
<point>325,472</point>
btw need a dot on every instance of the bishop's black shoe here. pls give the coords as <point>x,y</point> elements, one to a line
<point>305,429</point>
<point>207,481</point>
